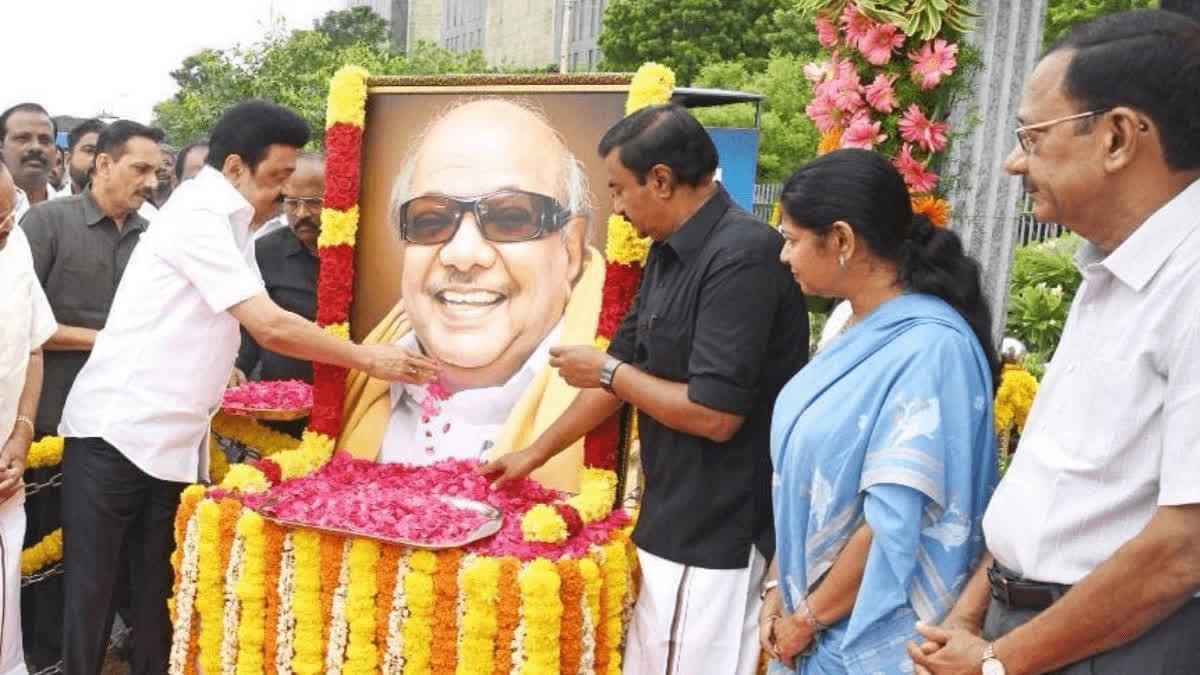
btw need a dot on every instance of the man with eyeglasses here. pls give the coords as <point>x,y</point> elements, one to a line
<point>492,210</point>
<point>287,259</point>
<point>1094,531</point>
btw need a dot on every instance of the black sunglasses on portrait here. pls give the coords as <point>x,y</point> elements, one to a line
<point>503,216</point>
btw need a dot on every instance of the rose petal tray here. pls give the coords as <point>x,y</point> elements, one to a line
<point>270,414</point>
<point>487,529</point>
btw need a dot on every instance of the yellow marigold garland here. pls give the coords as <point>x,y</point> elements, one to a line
<point>347,94</point>
<point>339,330</point>
<point>306,604</point>
<point>543,523</point>
<point>418,628</point>
<point>252,434</point>
<point>1014,397</point>
<point>597,492</point>
<point>338,227</point>
<point>361,654</point>
<point>480,584</point>
<point>251,591</point>
<point>46,551</point>
<point>210,602</point>
<point>624,246</point>
<point>616,573</point>
<point>46,452</point>
<point>245,478</point>
<point>542,611</point>
<point>651,85</point>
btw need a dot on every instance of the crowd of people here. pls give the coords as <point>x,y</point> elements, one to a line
<point>842,514</point>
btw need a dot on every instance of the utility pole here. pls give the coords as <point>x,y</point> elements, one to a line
<point>568,5</point>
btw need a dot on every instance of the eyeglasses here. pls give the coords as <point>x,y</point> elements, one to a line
<point>1027,141</point>
<point>502,216</point>
<point>314,203</point>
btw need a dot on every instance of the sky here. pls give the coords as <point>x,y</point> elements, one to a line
<point>84,57</point>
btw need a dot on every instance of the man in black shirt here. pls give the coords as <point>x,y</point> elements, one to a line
<point>287,260</point>
<point>80,245</point>
<point>716,329</point>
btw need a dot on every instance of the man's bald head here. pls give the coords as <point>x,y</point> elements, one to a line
<point>8,204</point>
<point>483,135</point>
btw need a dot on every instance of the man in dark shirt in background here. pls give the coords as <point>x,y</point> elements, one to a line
<point>287,260</point>
<point>716,329</point>
<point>80,246</point>
<point>81,153</point>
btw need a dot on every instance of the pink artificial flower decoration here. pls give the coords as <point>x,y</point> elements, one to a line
<point>862,133</point>
<point>880,95</point>
<point>827,33</point>
<point>913,170</point>
<point>934,61</point>
<point>817,72</point>
<point>823,112</point>
<point>855,24</point>
<point>879,42</point>
<point>916,128</point>
<point>846,92</point>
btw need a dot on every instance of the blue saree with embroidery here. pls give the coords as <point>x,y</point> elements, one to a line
<point>890,425</point>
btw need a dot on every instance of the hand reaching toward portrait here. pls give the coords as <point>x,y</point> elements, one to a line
<point>511,466</point>
<point>397,364</point>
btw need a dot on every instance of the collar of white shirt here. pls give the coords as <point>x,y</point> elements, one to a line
<point>485,405</point>
<point>219,195</point>
<point>1143,253</point>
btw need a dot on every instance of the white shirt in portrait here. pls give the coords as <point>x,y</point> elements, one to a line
<point>28,322</point>
<point>160,365</point>
<point>1115,427</point>
<point>467,423</point>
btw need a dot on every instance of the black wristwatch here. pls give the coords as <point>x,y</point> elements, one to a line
<point>607,372</point>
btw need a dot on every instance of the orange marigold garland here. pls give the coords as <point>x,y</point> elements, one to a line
<point>445,611</point>
<point>571,636</point>
<point>508,614</point>
<point>273,551</point>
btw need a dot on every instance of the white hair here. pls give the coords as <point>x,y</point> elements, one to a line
<point>574,183</point>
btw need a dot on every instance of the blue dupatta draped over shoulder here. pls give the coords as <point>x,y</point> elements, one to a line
<point>890,425</point>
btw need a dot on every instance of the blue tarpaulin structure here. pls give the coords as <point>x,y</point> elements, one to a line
<point>737,149</point>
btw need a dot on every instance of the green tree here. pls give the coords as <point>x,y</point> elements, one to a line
<point>1062,14</point>
<point>686,35</point>
<point>293,69</point>
<point>787,138</point>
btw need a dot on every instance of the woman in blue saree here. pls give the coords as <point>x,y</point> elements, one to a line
<point>883,449</point>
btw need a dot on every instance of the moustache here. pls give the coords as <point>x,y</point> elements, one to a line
<point>34,155</point>
<point>306,222</point>
<point>457,280</point>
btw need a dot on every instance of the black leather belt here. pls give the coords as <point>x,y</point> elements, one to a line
<point>1018,593</point>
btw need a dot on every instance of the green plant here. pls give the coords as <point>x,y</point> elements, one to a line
<point>1044,282</point>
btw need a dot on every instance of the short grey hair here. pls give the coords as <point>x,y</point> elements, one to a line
<point>575,181</point>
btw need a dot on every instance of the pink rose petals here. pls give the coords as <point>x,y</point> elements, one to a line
<point>269,395</point>
<point>398,501</point>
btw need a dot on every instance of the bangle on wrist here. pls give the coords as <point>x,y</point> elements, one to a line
<point>767,587</point>
<point>806,612</point>
<point>25,419</point>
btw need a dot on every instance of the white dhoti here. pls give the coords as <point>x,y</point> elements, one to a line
<point>695,620</point>
<point>12,535</point>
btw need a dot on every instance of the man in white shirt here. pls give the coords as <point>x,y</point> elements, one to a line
<point>136,419</point>
<point>1094,532</point>
<point>27,147</point>
<point>27,323</point>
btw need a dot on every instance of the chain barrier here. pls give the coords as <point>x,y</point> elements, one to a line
<point>32,489</point>
<point>46,573</point>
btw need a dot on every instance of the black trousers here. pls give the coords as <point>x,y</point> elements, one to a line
<point>42,603</point>
<point>1172,647</point>
<point>114,514</point>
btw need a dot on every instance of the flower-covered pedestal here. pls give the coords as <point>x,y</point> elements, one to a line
<point>549,593</point>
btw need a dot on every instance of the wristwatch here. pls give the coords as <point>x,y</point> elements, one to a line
<point>607,372</point>
<point>990,664</point>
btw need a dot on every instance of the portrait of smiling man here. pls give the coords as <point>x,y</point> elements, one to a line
<point>492,210</point>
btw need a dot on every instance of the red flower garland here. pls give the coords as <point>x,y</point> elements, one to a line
<point>343,143</point>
